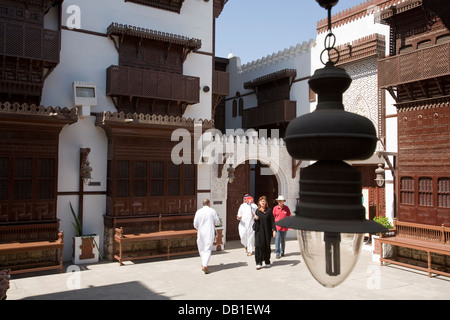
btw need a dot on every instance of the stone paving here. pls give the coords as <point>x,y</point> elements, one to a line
<point>233,277</point>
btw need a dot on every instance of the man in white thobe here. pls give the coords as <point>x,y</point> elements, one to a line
<point>205,220</point>
<point>245,216</point>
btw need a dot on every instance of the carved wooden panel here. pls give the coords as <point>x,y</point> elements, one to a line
<point>163,188</point>
<point>29,52</point>
<point>273,87</point>
<point>151,55</point>
<point>170,5</point>
<point>28,179</point>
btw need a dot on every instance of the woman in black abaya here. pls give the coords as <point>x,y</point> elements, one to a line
<point>264,231</point>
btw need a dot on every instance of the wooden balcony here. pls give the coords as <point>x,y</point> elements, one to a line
<point>277,112</point>
<point>427,63</point>
<point>142,83</point>
<point>221,83</point>
<point>29,41</point>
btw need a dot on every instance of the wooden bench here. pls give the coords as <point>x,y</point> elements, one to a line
<point>427,238</point>
<point>28,237</point>
<point>4,283</point>
<point>165,231</point>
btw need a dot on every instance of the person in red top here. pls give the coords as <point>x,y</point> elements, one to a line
<point>280,211</point>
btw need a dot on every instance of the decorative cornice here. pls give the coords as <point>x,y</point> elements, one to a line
<point>357,12</point>
<point>12,109</point>
<point>423,104</point>
<point>150,119</point>
<point>174,6</point>
<point>285,73</point>
<point>372,45</point>
<point>279,56</point>
<point>124,29</point>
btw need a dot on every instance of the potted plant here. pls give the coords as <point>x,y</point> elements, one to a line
<point>218,239</point>
<point>376,247</point>
<point>85,247</point>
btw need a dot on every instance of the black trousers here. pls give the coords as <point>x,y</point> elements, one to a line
<point>262,253</point>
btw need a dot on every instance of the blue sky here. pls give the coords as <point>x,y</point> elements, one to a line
<point>252,29</point>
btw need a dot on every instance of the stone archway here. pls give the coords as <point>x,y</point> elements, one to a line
<point>275,162</point>
<point>264,184</point>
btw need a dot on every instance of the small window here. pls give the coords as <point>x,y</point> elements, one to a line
<point>234,111</point>
<point>123,178</point>
<point>189,180</point>
<point>405,49</point>
<point>170,5</point>
<point>157,178</point>
<point>407,190</point>
<point>23,178</point>
<point>140,179</point>
<point>4,172</point>
<point>426,191</point>
<point>173,176</point>
<point>443,192</point>
<point>424,44</point>
<point>443,39</point>
<point>241,107</point>
<point>46,178</point>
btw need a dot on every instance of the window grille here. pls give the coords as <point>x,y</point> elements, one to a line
<point>4,168</point>
<point>443,192</point>
<point>407,190</point>
<point>425,191</point>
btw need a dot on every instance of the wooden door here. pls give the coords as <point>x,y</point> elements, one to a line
<point>236,190</point>
<point>266,185</point>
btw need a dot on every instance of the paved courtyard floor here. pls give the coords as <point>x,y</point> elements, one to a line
<point>233,277</point>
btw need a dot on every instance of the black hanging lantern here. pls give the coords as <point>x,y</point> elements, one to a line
<point>330,218</point>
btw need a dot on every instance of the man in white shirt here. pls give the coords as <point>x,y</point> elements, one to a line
<point>205,220</point>
<point>245,215</point>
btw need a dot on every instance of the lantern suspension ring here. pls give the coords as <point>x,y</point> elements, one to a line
<point>329,42</point>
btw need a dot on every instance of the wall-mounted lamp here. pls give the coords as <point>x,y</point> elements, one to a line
<point>230,175</point>
<point>86,173</point>
<point>379,179</point>
<point>86,169</point>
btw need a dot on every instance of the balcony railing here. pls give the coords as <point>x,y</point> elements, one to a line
<point>281,111</point>
<point>29,41</point>
<point>426,63</point>
<point>221,83</point>
<point>126,81</point>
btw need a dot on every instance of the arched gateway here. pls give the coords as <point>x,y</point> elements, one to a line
<point>262,167</point>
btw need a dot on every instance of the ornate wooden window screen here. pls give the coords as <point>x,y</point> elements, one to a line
<point>132,179</point>
<point>157,178</point>
<point>443,192</point>
<point>190,180</point>
<point>425,191</point>
<point>32,178</point>
<point>169,5</point>
<point>407,190</point>
<point>26,182</point>
<point>140,178</point>
<point>235,109</point>
<point>4,167</point>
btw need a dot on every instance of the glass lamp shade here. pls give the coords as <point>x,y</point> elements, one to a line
<point>329,256</point>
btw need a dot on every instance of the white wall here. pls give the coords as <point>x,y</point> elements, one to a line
<point>86,53</point>
<point>82,134</point>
